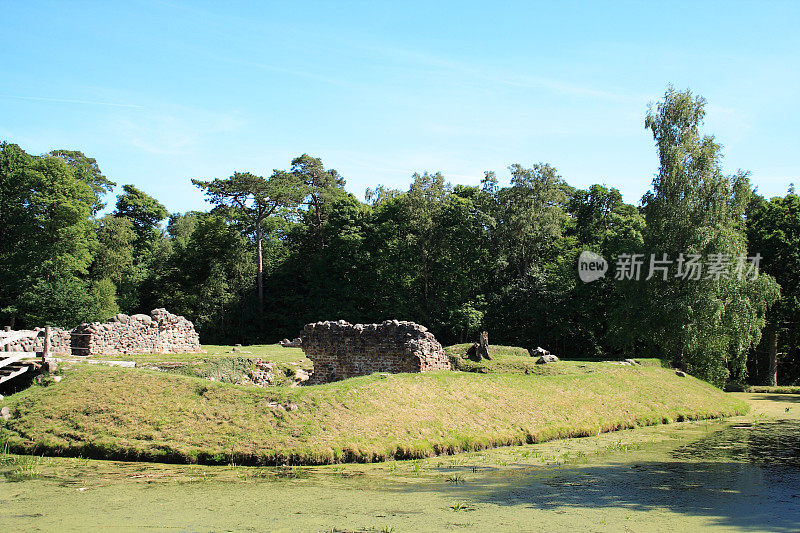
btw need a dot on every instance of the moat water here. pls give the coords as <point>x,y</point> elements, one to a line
<point>739,474</point>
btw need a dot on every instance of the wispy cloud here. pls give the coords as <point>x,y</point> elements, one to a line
<point>174,131</point>
<point>308,74</point>
<point>68,101</point>
<point>491,74</point>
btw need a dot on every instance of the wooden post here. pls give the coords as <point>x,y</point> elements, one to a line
<point>46,351</point>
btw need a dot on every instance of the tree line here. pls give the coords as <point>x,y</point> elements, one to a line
<point>278,251</point>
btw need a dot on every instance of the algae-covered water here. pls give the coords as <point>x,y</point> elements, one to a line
<point>740,474</point>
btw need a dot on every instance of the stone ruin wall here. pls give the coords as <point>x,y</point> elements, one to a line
<point>159,332</point>
<point>340,350</point>
<point>59,341</point>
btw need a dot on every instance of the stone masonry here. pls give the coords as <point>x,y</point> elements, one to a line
<point>341,350</point>
<point>59,341</point>
<point>160,332</point>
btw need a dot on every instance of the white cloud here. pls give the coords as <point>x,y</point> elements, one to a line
<point>175,131</point>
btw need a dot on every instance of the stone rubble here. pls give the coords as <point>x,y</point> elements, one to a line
<point>544,355</point>
<point>296,343</point>
<point>340,350</point>
<point>626,362</point>
<point>263,375</point>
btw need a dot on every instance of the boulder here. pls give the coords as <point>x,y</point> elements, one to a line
<point>296,343</point>
<point>144,319</point>
<point>538,352</point>
<point>546,358</point>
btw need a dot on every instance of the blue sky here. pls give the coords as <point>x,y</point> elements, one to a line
<point>161,92</point>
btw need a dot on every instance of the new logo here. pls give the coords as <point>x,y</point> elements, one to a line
<point>591,266</point>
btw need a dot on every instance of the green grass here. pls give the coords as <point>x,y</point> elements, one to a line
<point>270,352</point>
<point>781,389</point>
<point>137,414</point>
<point>226,364</point>
<point>515,360</point>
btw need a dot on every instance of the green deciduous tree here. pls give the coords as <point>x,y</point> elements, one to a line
<point>114,256</point>
<point>605,313</point>
<point>87,170</point>
<point>532,216</point>
<point>707,325</point>
<point>145,213</point>
<point>47,240</point>
<point>207,277</point>
<point>774,233</point>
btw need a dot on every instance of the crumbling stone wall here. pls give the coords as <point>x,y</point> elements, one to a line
<point>59,341</point>
<point>341,350</point>
<point>160,332</point>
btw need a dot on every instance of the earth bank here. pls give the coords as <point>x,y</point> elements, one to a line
<point>143,415</point>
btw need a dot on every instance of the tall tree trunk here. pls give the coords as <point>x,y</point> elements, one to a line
<point>772,355</point>
<point>318,216</point>
<point>260,267</point>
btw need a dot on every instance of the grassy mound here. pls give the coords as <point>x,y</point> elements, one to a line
<point>515,360</point>
<point>133,414</point>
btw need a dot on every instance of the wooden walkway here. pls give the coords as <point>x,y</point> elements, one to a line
<point>15,364</point>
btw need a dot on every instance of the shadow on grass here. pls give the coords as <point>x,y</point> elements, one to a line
<point>739,477</point>
<point>776,397</point>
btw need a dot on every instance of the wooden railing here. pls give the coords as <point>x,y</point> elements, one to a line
<point>15,363</point>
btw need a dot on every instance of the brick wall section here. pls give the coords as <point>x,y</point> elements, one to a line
<point>340,350</point>
<point>160,332</point>
<point>59,342</point>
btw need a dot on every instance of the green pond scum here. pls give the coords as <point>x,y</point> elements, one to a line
<point>742,474</point>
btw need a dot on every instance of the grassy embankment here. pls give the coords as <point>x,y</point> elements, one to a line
<point>780,389</point>
<point>139,414</point>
